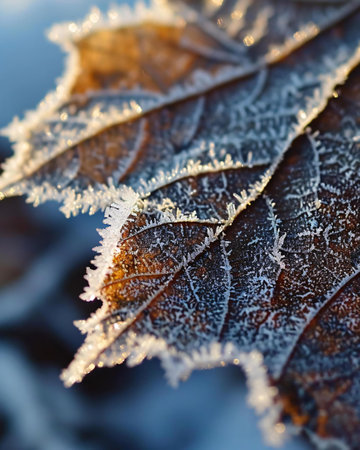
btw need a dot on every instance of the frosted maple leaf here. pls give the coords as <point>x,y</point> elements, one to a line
<point>228,144</point>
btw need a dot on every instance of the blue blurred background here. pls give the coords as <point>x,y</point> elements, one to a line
<point>42,261</point>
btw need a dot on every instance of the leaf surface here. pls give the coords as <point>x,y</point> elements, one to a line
<point>255,253</point>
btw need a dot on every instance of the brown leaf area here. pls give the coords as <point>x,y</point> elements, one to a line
<point>148,56</point>
<point>321,383</point>
<point>154,244</point>
<point>156,57</point>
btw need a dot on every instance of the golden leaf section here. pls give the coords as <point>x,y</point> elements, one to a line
<point>147,56</point>
<point>140,269</point>
<point>156,244</point>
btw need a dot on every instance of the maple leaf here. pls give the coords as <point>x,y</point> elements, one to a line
<point>235,233</point>
<point>222,260</point>
<point>112,118</point>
